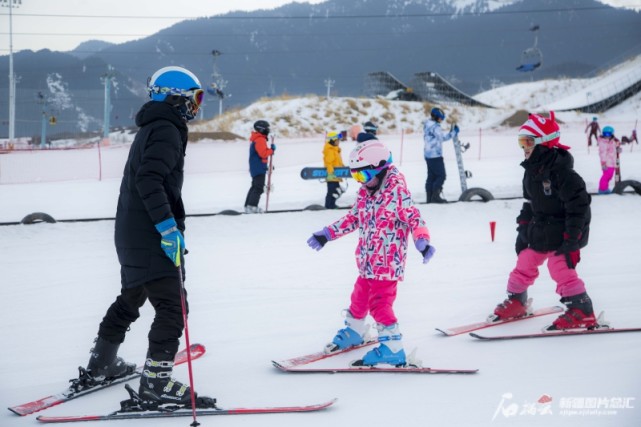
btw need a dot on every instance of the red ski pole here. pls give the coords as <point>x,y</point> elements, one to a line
<point>189,368</point>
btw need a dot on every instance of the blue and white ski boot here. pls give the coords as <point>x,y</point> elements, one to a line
<point>389,352</point>
<point>354,333</point>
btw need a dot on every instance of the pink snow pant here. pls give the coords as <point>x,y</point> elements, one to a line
<point>604,182</point>
<point>375,297</point>
<point>527,270</point>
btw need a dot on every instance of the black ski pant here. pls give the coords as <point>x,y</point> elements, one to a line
<point>256,190</point>
<point>166,329</point>
<point>435,175</point>
<point>333,193</point>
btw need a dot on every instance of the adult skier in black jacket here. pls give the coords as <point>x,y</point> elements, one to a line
<point>553,226</point>
<point>150,222</point>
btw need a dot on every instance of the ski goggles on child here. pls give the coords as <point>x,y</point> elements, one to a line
<point>526,142</point>
<point>365,175</point>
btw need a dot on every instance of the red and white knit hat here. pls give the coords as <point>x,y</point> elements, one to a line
<point>544,131</point>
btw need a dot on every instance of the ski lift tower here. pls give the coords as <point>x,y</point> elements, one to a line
<point>218,84</point>
<point>12,77</point>
<point>532,57</point>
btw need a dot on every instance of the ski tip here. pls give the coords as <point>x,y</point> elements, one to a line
<point>327,404</point>
<point>477,336</point>
<point>445,332</point>
<point>279,366</point>
<point>18,411</point>
<point>198,348</point>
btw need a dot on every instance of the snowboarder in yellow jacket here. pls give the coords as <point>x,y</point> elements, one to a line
<point>332,159</point>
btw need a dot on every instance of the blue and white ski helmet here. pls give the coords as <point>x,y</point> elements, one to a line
<point>172,81</point>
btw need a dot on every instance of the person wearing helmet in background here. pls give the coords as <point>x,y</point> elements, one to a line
<point>332,159</point>
<point>553,226</point>
<point>386,219</point>
<point>259,152</point>
<point>369,132</point>
<point>433,136</point>
<point>594,128</point>
<point>149,229</point>
<point>609,145</point>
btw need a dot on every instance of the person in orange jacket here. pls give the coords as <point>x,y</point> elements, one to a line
<point>332,159</point>
<point>259,153</point>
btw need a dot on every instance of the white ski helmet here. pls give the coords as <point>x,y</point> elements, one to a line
<point>368,159</point>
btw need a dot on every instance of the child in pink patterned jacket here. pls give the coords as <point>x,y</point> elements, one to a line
<point>385,217</point>
<point>608,147</point>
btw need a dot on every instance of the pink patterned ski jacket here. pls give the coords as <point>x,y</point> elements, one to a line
<point>608,151</point>
<point>385,221</point>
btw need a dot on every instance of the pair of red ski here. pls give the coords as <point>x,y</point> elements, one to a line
<point>470,328</point>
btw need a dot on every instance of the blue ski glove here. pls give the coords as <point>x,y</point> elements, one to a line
<point>273,147</point>
<point>318,239</point>
<point>455,130</point>
<point>424,247</point>
<point>172,241</point>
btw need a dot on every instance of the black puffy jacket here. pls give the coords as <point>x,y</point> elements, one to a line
<point>557,202</point>
<point>150,193</point>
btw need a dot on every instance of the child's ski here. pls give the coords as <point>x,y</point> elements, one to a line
<point>555,334</point>
<point>375,369</point>
<point>284,365</point>
<point>486,324</point>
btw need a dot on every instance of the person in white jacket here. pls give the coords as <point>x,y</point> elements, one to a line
<point>434,137</point>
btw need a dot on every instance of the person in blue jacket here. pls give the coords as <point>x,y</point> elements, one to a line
<point>434,137</point>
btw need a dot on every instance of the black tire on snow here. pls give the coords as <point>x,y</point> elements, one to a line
<point>620,187</point>
<point>314,208</point>
<point>467,195</point>
<point>230,212</point>
<point>36,217</point>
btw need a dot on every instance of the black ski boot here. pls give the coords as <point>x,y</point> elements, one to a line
<point>436,196</point>
<point>104,363</point>
<point>158,387</point>
<point>103,367</point>
<point>428,197</point>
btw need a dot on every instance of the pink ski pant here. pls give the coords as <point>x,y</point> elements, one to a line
<point>604,182</point>
<point>527,271</point>
<point>375,297</point>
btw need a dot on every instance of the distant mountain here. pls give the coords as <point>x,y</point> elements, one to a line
<point>296,48</point>
<point>90,47</point>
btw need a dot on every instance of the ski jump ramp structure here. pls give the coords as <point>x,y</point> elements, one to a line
<point>431,87</point>
<point>602,93</point>
<point>426,86</point>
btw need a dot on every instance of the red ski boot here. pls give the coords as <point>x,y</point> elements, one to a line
<point>514,307</point>
<point>579,315</point>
